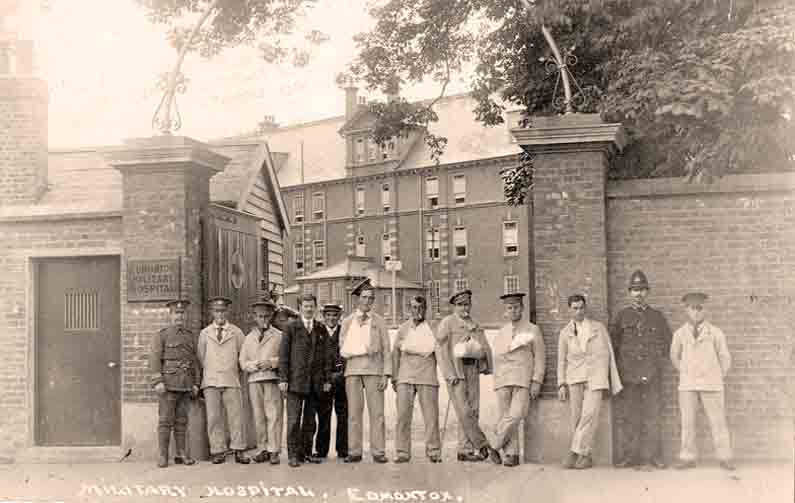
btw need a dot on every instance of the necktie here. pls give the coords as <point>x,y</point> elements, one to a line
<point>309,326</point>
<point>695,332</point>
<point>220,333</point>
<point>261,336</point>
<point>363,319</point>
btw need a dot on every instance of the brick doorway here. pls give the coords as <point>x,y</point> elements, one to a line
<point>77,356</point>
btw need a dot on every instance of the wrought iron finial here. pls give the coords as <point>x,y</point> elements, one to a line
<point>560,66</point>
<point>167,118</point>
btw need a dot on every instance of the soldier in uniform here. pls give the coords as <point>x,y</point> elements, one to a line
<point>219,350</point>
<point>464,354</point>
<point>641,340</point>
<point>176,376</point>
<point>519,360</point>
<point>336,400</point>
<point>260,359</point>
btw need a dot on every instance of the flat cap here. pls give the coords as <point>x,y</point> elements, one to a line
<point>510,298</point>
<point>694,298</point>
<point>178,304</point>
<point>460,296</point>
<point>219,301</point>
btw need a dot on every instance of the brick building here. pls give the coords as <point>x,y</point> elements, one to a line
<point>448,223</point>
<point>93,241</point>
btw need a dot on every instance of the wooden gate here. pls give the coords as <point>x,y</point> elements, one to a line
<point>232,267</point>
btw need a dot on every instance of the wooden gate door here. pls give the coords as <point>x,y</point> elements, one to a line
<point>233,268</point>
<point>78,339</point>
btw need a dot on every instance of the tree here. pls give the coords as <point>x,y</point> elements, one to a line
<point>210,26</point>
<point>704,87</point>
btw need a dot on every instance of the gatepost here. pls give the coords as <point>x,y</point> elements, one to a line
<point>571,156</point>
<point>166,190</point>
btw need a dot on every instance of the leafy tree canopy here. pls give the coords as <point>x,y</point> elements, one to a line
<point>705,87</point>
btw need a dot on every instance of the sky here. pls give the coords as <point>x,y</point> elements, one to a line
<point>101,59</point>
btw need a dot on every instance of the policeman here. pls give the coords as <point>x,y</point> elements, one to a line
<point>175,375</point>
<point>641,340</point>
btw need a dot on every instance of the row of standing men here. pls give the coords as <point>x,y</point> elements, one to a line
<point>316,366</point>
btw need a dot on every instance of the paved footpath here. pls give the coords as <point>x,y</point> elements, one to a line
<point>418,481</point>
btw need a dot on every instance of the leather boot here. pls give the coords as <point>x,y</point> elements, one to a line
<point>163,440</point>
<point>182,457</point>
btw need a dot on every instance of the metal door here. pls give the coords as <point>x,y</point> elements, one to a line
<point>77,390</point>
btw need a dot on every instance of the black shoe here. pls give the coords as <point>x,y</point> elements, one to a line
<point>293,462</point>
<point>241,458</point>
<point>342,455</point>
<point>570,460</point>
<point>435,459</point>
<point>313,459</point>
<point>583,463</point>
<point>402,459</point>
<point>353,459</point>
<point>380,458</point>
<point>470,457</point>
<point>184,460</point>
<point>262,457</point>
<point>219,458</point>
<point>275,458</point>
<point>728,465</point>
<point>511,460</point>
<point>658,463</point>
<point>491,454</point>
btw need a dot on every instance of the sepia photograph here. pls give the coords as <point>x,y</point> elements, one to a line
<point>344,251</point>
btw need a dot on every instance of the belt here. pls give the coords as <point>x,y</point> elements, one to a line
<point>469,361</point>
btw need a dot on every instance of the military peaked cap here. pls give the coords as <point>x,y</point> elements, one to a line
<point>462,295</point>
<point>694,298</point>
<point>219,301</point>
<point>178,304</point>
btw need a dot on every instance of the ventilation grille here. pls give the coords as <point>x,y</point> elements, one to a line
<point>81,310</point>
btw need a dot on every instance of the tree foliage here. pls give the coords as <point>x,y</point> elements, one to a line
<point>705,87</point>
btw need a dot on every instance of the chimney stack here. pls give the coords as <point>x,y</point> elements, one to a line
<point>23,126</point>
<point>351,101</point>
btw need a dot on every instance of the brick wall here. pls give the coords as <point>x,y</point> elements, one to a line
<point>23,140</point>
<point>21,240</point>
<point>734,240</point>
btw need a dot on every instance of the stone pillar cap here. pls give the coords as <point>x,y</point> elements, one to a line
<point>569,130</point>
<point>156,151</point>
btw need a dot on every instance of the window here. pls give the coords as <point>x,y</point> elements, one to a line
<point>385,198</point>
<point>460,189</point>
<point>384,151</point>
<point>511,284</point>
<point>361,246</point>
<point>461,284</point>
<point>359,201</point>
<point>432,243</point>
<point>386,247</point>
<point>371,149</point>
<point>510,238</point>
<point>359,150</point>
<point>432,192</point>
<point>319,253</point>
<point>318,205</point>
<point>460,242</point>
<point>298,208</point>
<point>334,293</point>
<point>323,293</point>
<point>434,294</point>
<point>298,256</point>
<point>388,304</point>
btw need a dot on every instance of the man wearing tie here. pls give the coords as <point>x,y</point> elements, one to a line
<point>365,345</point>
<point>260,359</point>
<point>336,400</point>
<point>305,364</point>
<point>219,349</point>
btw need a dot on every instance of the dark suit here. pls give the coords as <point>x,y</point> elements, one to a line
<point>305,364</point>
<point>337,401</point>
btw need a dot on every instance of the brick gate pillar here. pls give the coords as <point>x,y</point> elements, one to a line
<point>166,189</point>
<point>571,157</point>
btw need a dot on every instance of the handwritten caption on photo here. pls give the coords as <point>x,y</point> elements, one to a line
<point>354,494</point>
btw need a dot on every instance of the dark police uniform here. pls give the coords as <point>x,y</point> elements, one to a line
<point>172,361</point>
<point>641,340</point>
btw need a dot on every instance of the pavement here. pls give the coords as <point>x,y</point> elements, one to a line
<point>334,481</point>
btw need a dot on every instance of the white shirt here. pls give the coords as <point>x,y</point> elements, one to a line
<point>307,323</point>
